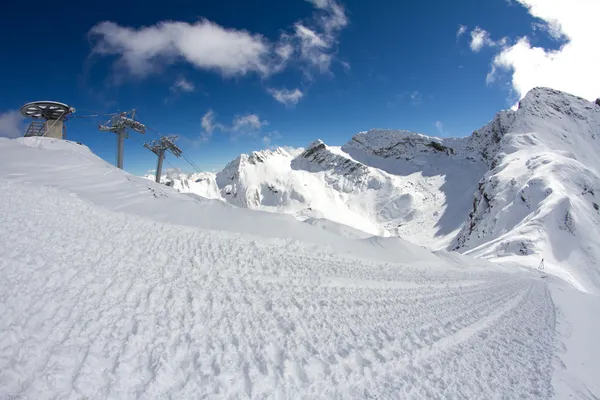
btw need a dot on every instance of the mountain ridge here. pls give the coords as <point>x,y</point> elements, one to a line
<point>448,193</point>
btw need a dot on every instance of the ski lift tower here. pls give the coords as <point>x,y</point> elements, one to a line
<point>159,147</point>
<point>118,124</point>
<point>48,118</point>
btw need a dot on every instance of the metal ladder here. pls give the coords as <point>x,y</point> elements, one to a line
<point>35,129</point>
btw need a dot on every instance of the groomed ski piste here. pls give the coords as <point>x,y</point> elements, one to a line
<point>114,287</point>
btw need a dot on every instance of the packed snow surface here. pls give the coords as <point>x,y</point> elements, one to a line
<point>112,286</point>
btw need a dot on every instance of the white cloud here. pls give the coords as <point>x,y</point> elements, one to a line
<point>208,121</point>
<point>203,44</point>
<point>315,43</point>
<point>293,151</point>
<point>183,85</point>
<point>335,18</point>
<point>285,96</point>
<point>480,38</point>
<point>241,125</point>
<point>248,121</point>
<point>209,125</point>
<point>11,124</point>
<point>573,67</point>
<point>313,48</point>
<point>230,52</point>
<point>462,29</point>
<point>309,37</point>
<point>440,127</point>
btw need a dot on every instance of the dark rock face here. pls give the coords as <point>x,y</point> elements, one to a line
<point>441,148</point>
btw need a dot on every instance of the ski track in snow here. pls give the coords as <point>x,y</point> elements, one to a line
<point>139,309</point>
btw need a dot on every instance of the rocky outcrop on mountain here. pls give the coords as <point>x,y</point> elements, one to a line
<point>400,145</point>
<point>485,143</point>
<point>343,173</point>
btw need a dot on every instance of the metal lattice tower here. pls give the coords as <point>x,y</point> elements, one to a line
<point>119,124</point>
<point>48,118</point>
<point>159,147</point>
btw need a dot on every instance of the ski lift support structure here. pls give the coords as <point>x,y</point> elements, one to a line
<point>118,125</point>
<point>48,118</point>
<point>159,147</point>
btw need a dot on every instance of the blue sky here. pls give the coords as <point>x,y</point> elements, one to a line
<point>235,76</point>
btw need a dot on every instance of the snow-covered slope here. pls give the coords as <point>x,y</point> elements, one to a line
<point>541,196</point>
<point>74,168</point>
<point>358,190</point>
<point>525,185</point>
<point>112,286</point>
<point>203,183</point>
<point>321,182</point>
<point>442,173</point>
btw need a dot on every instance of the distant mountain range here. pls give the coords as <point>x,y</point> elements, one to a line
<point>524,187</point>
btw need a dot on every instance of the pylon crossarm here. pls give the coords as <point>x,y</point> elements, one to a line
<point>119,124</point>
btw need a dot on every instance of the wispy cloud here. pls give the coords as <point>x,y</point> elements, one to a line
<point>440,127</point>
<point>183,85</point>
<point>209,125</point>
<point>11,124</point>
<point>462,29</point>
<point>248,121</point>
<point>480,38</point>
<point>267,139</point>
<point>315,43</point>
<point>285,96</point>
<point>241,125</point>
<point>293,151</point>
<point>572,68</point>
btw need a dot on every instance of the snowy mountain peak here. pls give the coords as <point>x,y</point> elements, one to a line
<point>316,143</point>
<point>260,156</point>
<point>232,170</point>
<point>527,180</point>
<point>542,191</point>
<point>320,157</point>
<point>546,102</point>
